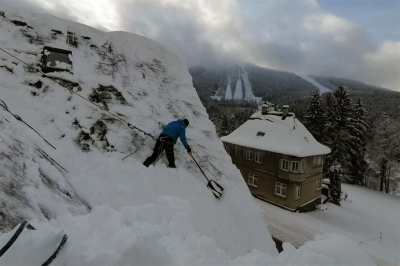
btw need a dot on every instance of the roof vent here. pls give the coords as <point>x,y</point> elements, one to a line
<point>55,59</point>
<point>260,134</point>
<point>264,109</point>
<point>285,110</point>
<point>306,139</point>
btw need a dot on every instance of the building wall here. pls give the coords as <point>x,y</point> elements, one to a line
<point>268,173</point>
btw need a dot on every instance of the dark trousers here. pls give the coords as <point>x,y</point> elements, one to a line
<point>163,143</point>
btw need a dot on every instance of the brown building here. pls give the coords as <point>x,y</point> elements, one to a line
<point>279,159</point>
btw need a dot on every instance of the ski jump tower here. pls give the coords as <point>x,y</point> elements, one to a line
<point>228,93</point>
<point>239,94</point>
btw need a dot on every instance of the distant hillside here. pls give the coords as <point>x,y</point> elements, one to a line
<point>282,87</point>
<point>354,86</point>
<point>272,85</point>
<point>377,100</point>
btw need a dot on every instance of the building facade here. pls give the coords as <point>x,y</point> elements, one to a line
<point>279,159</point>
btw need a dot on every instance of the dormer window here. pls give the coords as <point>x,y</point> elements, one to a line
<point>260,134</point>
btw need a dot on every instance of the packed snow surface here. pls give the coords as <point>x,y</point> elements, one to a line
<point>363,217</point>
<point>119,212</point>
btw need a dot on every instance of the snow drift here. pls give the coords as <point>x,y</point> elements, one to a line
<point>115,212</point>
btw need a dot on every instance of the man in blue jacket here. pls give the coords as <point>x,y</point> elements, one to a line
<point>167,140</point>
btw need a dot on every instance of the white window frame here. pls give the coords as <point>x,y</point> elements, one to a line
<point>249,154</point>
<point>258,156</point>
<point>253,180</point>
<point>282,189</point>
<point>292,165</point>
<point>319,184</point>
<point>226,148</point>
<point>317,161</point>
<point>298,192</point>
<point>283,163</point>
<point>303,166</point>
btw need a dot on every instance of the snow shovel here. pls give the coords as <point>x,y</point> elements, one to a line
<point>215,188</point>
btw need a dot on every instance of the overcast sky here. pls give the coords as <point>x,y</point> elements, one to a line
<point>358,39</point>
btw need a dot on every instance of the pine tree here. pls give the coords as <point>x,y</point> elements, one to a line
<point>359,130</point>
<point>341,141</point>
<point>344,107</point>
<point>339,125</point>
<point>314,120</point>
<point>335,176</point>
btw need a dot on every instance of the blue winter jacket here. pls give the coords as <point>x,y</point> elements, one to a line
<point>176,129</point>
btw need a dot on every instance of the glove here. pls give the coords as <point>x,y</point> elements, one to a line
<point>189,150</point>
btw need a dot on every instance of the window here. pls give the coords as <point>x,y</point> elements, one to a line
<point>319,185</point>
<point>298,192</point>
<point>253,180</point>
<point>249,154</point>
<point>317,161</point>
<point>280,189</point>
<point>284,164</point>
<point>55,59</point>
<point>260,134</point>
<point>226,148</point>
<point>295,167</point>
<point>72,39</point>
<point>302,166</point>
<point>258,156</point>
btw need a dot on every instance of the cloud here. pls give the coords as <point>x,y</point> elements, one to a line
<point>383,65</point>
<point>291,35</point>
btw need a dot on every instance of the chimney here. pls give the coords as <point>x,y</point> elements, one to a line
<point>264,109</point>
<point>285,110</point>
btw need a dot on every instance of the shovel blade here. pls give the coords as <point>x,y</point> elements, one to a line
<point>216,192</point>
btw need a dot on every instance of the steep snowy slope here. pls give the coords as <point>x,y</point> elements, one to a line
<point>119,212</point>
<point>144,83</point>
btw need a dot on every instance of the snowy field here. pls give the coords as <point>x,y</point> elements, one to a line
<point>362,217</point>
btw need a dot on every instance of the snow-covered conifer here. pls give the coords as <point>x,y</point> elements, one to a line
<point>360,127</point>
<point>335,176</point>
<point>338,132</point>
<point>315,117</point>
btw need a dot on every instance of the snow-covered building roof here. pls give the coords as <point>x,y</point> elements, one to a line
<point>270,133</point>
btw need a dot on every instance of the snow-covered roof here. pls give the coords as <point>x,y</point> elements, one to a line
<point>287,136</point>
